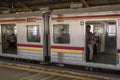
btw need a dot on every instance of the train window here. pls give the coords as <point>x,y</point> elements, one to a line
<point>111,29</point>
<point>61,33</point>
<point>33,33</point>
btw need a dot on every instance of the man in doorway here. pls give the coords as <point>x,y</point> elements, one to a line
<point>13,41</point>
<point>90,42</point>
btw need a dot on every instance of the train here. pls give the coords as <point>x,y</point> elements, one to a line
<point>59,36</point>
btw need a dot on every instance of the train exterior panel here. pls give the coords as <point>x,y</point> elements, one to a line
<point>104,23</point>
<point>70,51</point>
<point>24,25</point>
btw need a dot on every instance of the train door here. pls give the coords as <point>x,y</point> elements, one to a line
<point>9,38</point>
<point>103,42</point>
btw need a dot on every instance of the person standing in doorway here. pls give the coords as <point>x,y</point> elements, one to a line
<point>13,41</point>
<point>90,42</point>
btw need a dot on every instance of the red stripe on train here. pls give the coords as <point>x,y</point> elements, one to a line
<point>118,50</point>
<point>14,20</point>
<point>68,47</point>
<point>54,47</point>
<point>95,16</point>
<point>30,45</point>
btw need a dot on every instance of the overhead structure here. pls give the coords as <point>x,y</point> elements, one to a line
<point>35,5</point>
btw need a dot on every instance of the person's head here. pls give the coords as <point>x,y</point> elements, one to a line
<point>88,27</point>
<point>62,30</point>
<point>13,34</point>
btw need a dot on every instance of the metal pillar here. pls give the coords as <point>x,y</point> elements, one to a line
<point>46,38</point>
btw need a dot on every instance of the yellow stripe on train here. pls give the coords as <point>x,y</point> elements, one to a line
<point>67,51</point>
<point>119,55</point>
<point>30,48</point>
<point>53,50</point>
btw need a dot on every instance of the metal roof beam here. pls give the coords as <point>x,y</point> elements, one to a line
<point>85,3</point>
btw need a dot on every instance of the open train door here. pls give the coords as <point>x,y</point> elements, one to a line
<point>8,36</point>
<point>104,48</point>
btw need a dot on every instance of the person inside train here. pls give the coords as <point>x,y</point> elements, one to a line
<point>13,41</point>
<point>90,42</point>
<point>64,36</point>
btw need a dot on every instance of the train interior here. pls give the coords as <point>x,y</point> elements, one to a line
<point>104,49</point>
<point>9,39</point>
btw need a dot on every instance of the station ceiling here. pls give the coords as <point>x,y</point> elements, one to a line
<point>35,5</point>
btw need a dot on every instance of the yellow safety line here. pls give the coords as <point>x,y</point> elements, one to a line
<point>46,72</point>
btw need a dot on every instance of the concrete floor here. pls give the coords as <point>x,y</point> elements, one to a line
<point>14,70</point>
<point>15,74</point>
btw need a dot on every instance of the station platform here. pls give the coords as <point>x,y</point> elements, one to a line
<point>28,71</point>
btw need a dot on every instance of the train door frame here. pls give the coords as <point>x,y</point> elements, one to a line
<point>106,25</point>
<point>8,34</point>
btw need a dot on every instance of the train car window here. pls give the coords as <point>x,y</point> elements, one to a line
<point>61,33</point>
<point>111,28</point>
<point>33,33</point>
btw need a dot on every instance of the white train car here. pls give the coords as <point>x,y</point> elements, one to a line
<point>28,29</point>
<point>68,36</point>
<point>59,36</point>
